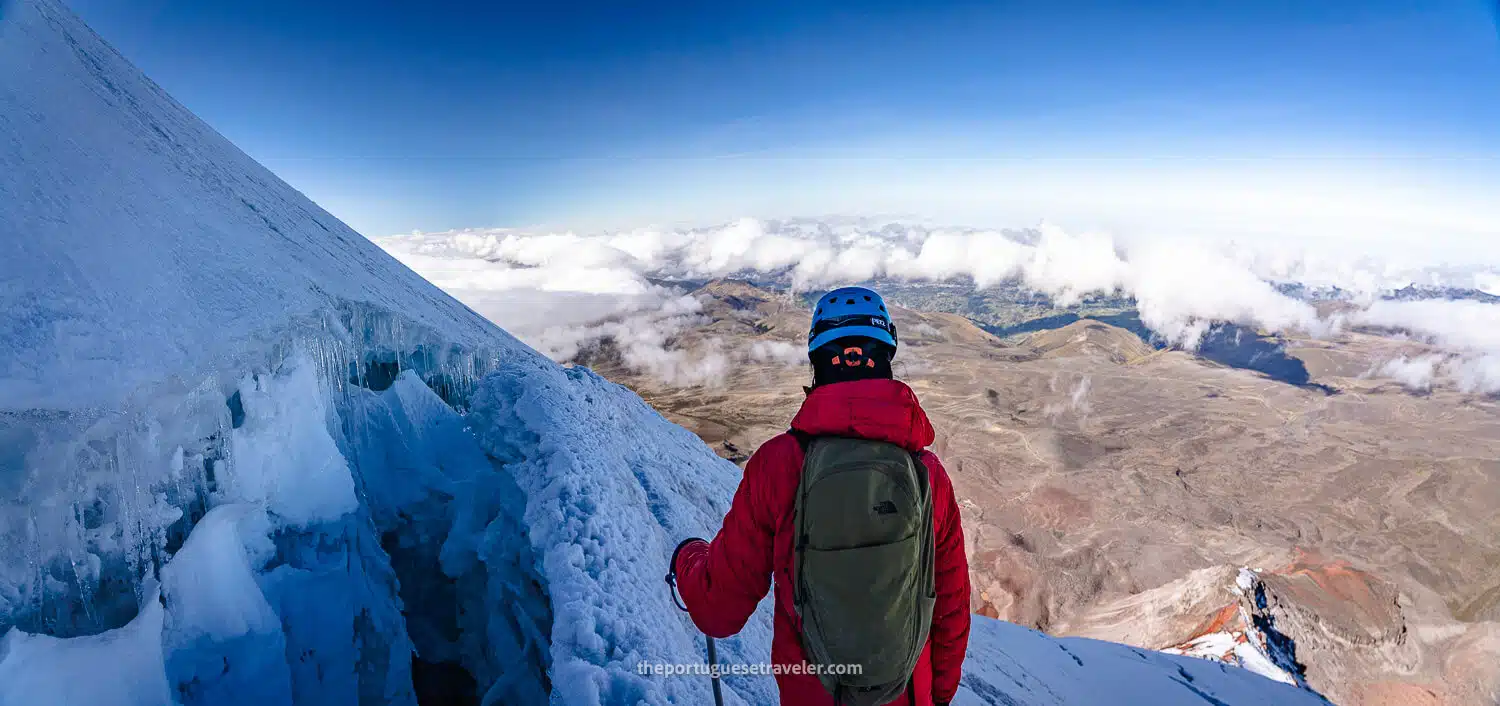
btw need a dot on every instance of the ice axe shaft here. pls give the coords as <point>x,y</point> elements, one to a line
<point>713,652</point>
<point>713,671</point>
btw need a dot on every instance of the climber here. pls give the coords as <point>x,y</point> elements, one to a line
<point>856,522</point>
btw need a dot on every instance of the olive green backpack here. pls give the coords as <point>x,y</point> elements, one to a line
<point>863,565</point>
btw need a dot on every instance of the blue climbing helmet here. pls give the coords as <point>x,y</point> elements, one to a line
<point>850,311</point>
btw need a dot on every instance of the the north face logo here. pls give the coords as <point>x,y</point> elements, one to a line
<point>885,507</point>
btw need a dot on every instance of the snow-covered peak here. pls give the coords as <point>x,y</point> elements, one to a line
<point>182,330</point>
<point>138,245</point>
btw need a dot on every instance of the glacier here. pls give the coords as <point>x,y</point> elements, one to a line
<point>246,457</point>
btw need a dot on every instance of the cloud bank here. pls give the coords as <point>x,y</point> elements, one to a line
<point>1468,330</point>
<point>558,291</point>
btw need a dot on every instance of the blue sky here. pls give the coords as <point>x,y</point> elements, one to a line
<point>396,118</point>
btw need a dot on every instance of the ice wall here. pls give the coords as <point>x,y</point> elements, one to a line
<point>184,332</point>
<point>121,667</point>
<point>346,532</point>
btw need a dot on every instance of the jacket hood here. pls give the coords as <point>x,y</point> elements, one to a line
<point>880,410</point>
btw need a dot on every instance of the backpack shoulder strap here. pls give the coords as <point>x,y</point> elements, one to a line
<point>803,438</point>
<point>916,457</point>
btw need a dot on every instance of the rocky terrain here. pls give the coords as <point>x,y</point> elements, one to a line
<point>1111,489</point>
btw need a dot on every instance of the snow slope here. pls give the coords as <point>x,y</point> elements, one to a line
<point>247,458</point>
<point>118,269</point>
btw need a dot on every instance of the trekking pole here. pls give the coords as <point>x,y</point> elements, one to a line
<point>713,653</point>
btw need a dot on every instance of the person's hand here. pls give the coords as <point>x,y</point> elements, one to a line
<point>672,566</point>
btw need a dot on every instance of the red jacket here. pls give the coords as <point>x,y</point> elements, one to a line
<point>721,583</point>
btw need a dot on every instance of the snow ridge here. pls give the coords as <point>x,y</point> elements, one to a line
<point>612,488</point>
<point>1246,637</point>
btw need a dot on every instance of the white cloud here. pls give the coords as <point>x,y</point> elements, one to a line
<point>922,329</point>
<point>1414,374</point>
<point>560,293</point>
<point>644,342</point>
<point>677,367</point>
<point>1077,400</point>
<point>1470,329</point>
<point>1464,325</point>
<point>988,257</point>
<point>557,291</point>
<point>1181,289</point>
<point>778,352</point>
<point>1477,374</point>
<point>1488,282</point>
<point>1069,266</point>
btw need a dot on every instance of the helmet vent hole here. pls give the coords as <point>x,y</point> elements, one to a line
<point>882,307</point>
<point>867,297</point>
<point>850,301</point>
